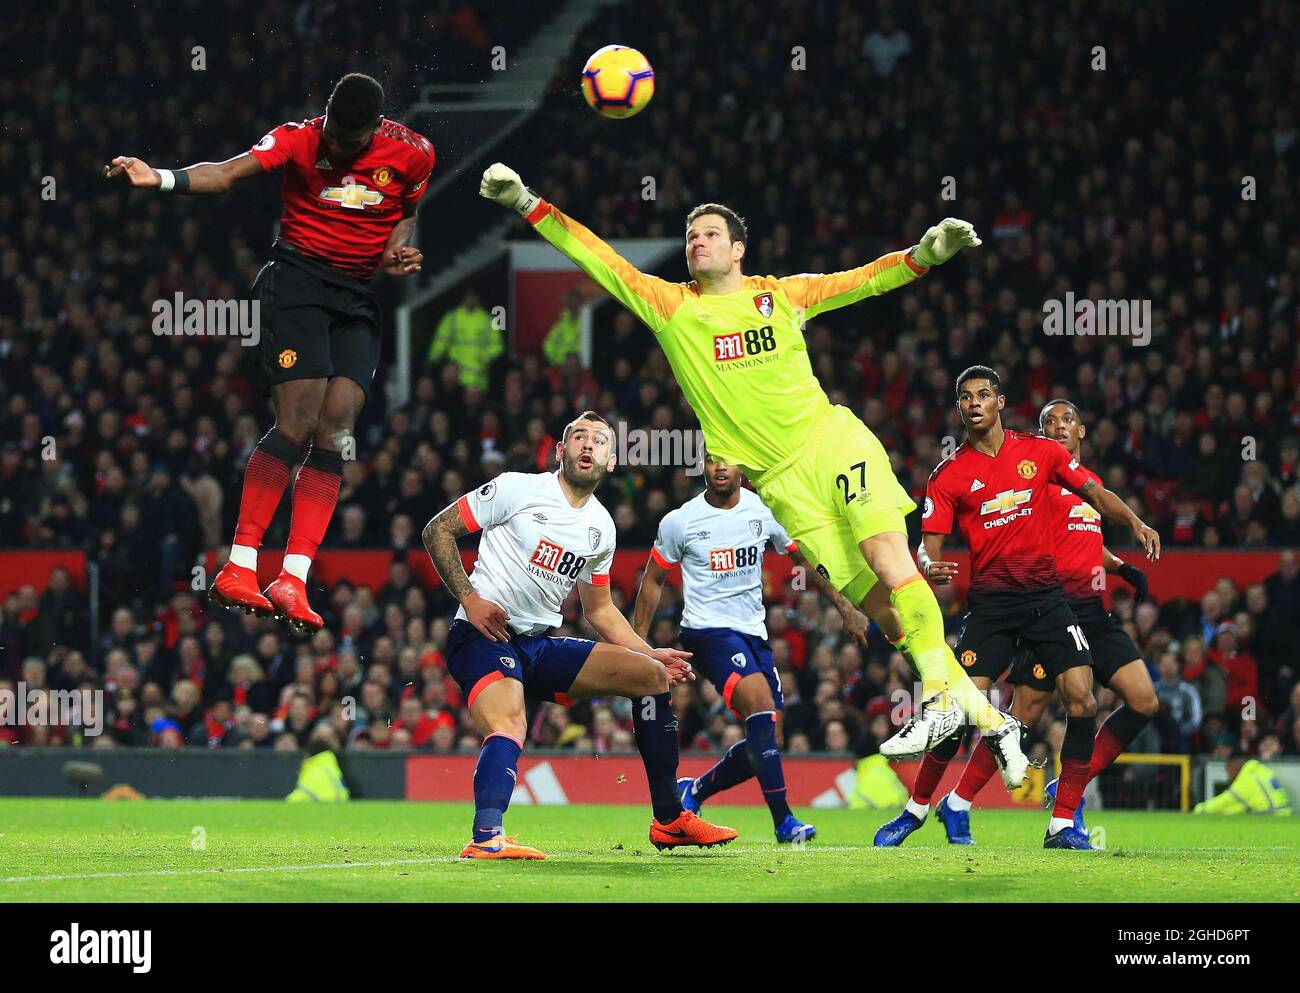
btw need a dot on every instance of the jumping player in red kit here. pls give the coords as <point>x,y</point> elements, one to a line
<point>352,181</point>
<point>997,487</point>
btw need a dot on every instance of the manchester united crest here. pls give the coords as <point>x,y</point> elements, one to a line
<point>383,176</point>
<point>1039,671</point>
<point>763,302</point>
<point>1027,468</point>
<point>968,658</point>
<point>287,358</point>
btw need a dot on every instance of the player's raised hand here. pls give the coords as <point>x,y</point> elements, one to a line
<point>489,618</point>
<point>502,185</point>
<point>674,660</point>
<point>941,573</point>
<point>137,172</point>
<point>1149,539</point>
<point>402,261</point>
<point>945,240</point>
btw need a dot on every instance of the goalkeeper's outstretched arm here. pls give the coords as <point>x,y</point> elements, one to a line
<point>653,300</point>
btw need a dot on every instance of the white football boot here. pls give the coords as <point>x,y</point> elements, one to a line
<point>922,733</point>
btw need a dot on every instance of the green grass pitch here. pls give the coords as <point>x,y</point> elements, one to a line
<point>252,850</point>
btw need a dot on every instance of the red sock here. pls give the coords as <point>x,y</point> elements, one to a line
<point>1069,790</point>
<point>315,493</point>
<point>1115,735</point>
<point>265,479</point>
<point>979,770</point>
<point>928,776</point>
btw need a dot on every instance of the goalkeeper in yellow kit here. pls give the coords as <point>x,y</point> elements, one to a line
<point>736,347</point>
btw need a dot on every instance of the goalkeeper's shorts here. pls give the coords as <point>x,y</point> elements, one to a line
<point>837,491</point>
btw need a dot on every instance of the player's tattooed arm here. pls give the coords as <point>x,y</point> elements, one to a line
<point>933,568</point>
<point>440,536</point>
<point>856,623</point>
<point>201,178</point>
<point>1110,506</point>
<point>647,598</point>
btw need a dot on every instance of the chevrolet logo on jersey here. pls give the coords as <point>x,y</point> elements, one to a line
<point>1086,512</point>
<point>352,195</point>
<point>1004,501</point>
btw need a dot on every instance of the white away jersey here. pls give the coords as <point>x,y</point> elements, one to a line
<point>535,546</point>
<point>721,555</point>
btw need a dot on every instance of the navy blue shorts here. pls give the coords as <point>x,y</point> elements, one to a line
<point>546,666</point>
<point>726,657</point>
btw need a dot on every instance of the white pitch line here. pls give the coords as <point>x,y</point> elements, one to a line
<point>322,867</point>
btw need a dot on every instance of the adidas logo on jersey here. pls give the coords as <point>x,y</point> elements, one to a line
<point>976,486</point>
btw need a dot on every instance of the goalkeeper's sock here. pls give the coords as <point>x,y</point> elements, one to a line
<point>980,768</point>
<point>932,769</point>
<point>315,494</point>
<point>654,726</point>
<point>1114,736</point>
<point>494,781</point>
<point>922,622</point>
<point>1076,759</point>
<point>265,479</point>
<point>731,770</point>
<point>765,758</point>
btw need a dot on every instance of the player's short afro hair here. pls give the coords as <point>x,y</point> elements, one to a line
<point>356,101</point>
<point>980,372</point>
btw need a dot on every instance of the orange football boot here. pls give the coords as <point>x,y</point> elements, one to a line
<point>500,847</point>
<point>236,586</point>
<point>690,829</point>
<point>289,595</point>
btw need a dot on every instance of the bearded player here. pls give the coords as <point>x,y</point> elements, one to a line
<point>1082,562</point>
<point>718,538</point>
<point>352,181</point>
<point>542,533</point>
<point>998,487</point>
<point>736,347</point>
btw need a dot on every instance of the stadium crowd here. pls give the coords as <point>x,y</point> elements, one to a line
<point>130,446</point>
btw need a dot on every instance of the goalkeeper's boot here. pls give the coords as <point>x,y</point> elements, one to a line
<point>792,831</point>
<point>500,847</point>
<point>1008,751</point>
<point>289,595</point>
<point>1069,838</point>
<point>690,829</point>
<point>1049,801</point>
<point>934,725</point>
<point>894,833</point>
<point>236,586</point>
<point>686,793</point>
<point>955,822</point>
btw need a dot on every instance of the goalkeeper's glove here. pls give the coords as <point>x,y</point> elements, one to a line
<point>502,184</point>
<point>1137,579</point>
<point>945,240</point>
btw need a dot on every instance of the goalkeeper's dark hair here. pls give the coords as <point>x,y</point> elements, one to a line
<point>980,372</point>
<point>737,230</point>
<point>356,101</point>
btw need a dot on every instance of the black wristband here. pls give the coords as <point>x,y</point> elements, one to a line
<point>182,181</point>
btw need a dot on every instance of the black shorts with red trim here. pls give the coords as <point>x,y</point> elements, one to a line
<point>726,657</point>
<point>315,322</point>
<point>546,666</point>
<point>1111,648</point>
<point>1002,626</point>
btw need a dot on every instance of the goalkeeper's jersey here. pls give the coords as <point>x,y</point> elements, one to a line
<point>740,358</point>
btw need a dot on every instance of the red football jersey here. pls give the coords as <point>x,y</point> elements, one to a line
<point>1077,525</point>
<point>1002,507</point>
<point>345,215</point>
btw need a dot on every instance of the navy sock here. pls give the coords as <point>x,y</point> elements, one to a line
<point>765,758</point>
<point>494,781</point>
<point>731,770</point>
<point>655,727</point>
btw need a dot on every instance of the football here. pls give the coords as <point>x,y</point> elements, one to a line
<point>618,81</point>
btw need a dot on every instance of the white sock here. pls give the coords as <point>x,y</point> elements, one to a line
<point>957,803</point>
<point>918,810</point>
<point>297,565</point>
<point>244,555</point>
<point>1059,824</point>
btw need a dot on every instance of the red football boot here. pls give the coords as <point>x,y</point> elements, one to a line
<point>289,596</point>
<point>689,829</point>
<point>236,586</point>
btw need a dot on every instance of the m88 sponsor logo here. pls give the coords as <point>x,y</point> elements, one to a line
<point>738,344</point>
